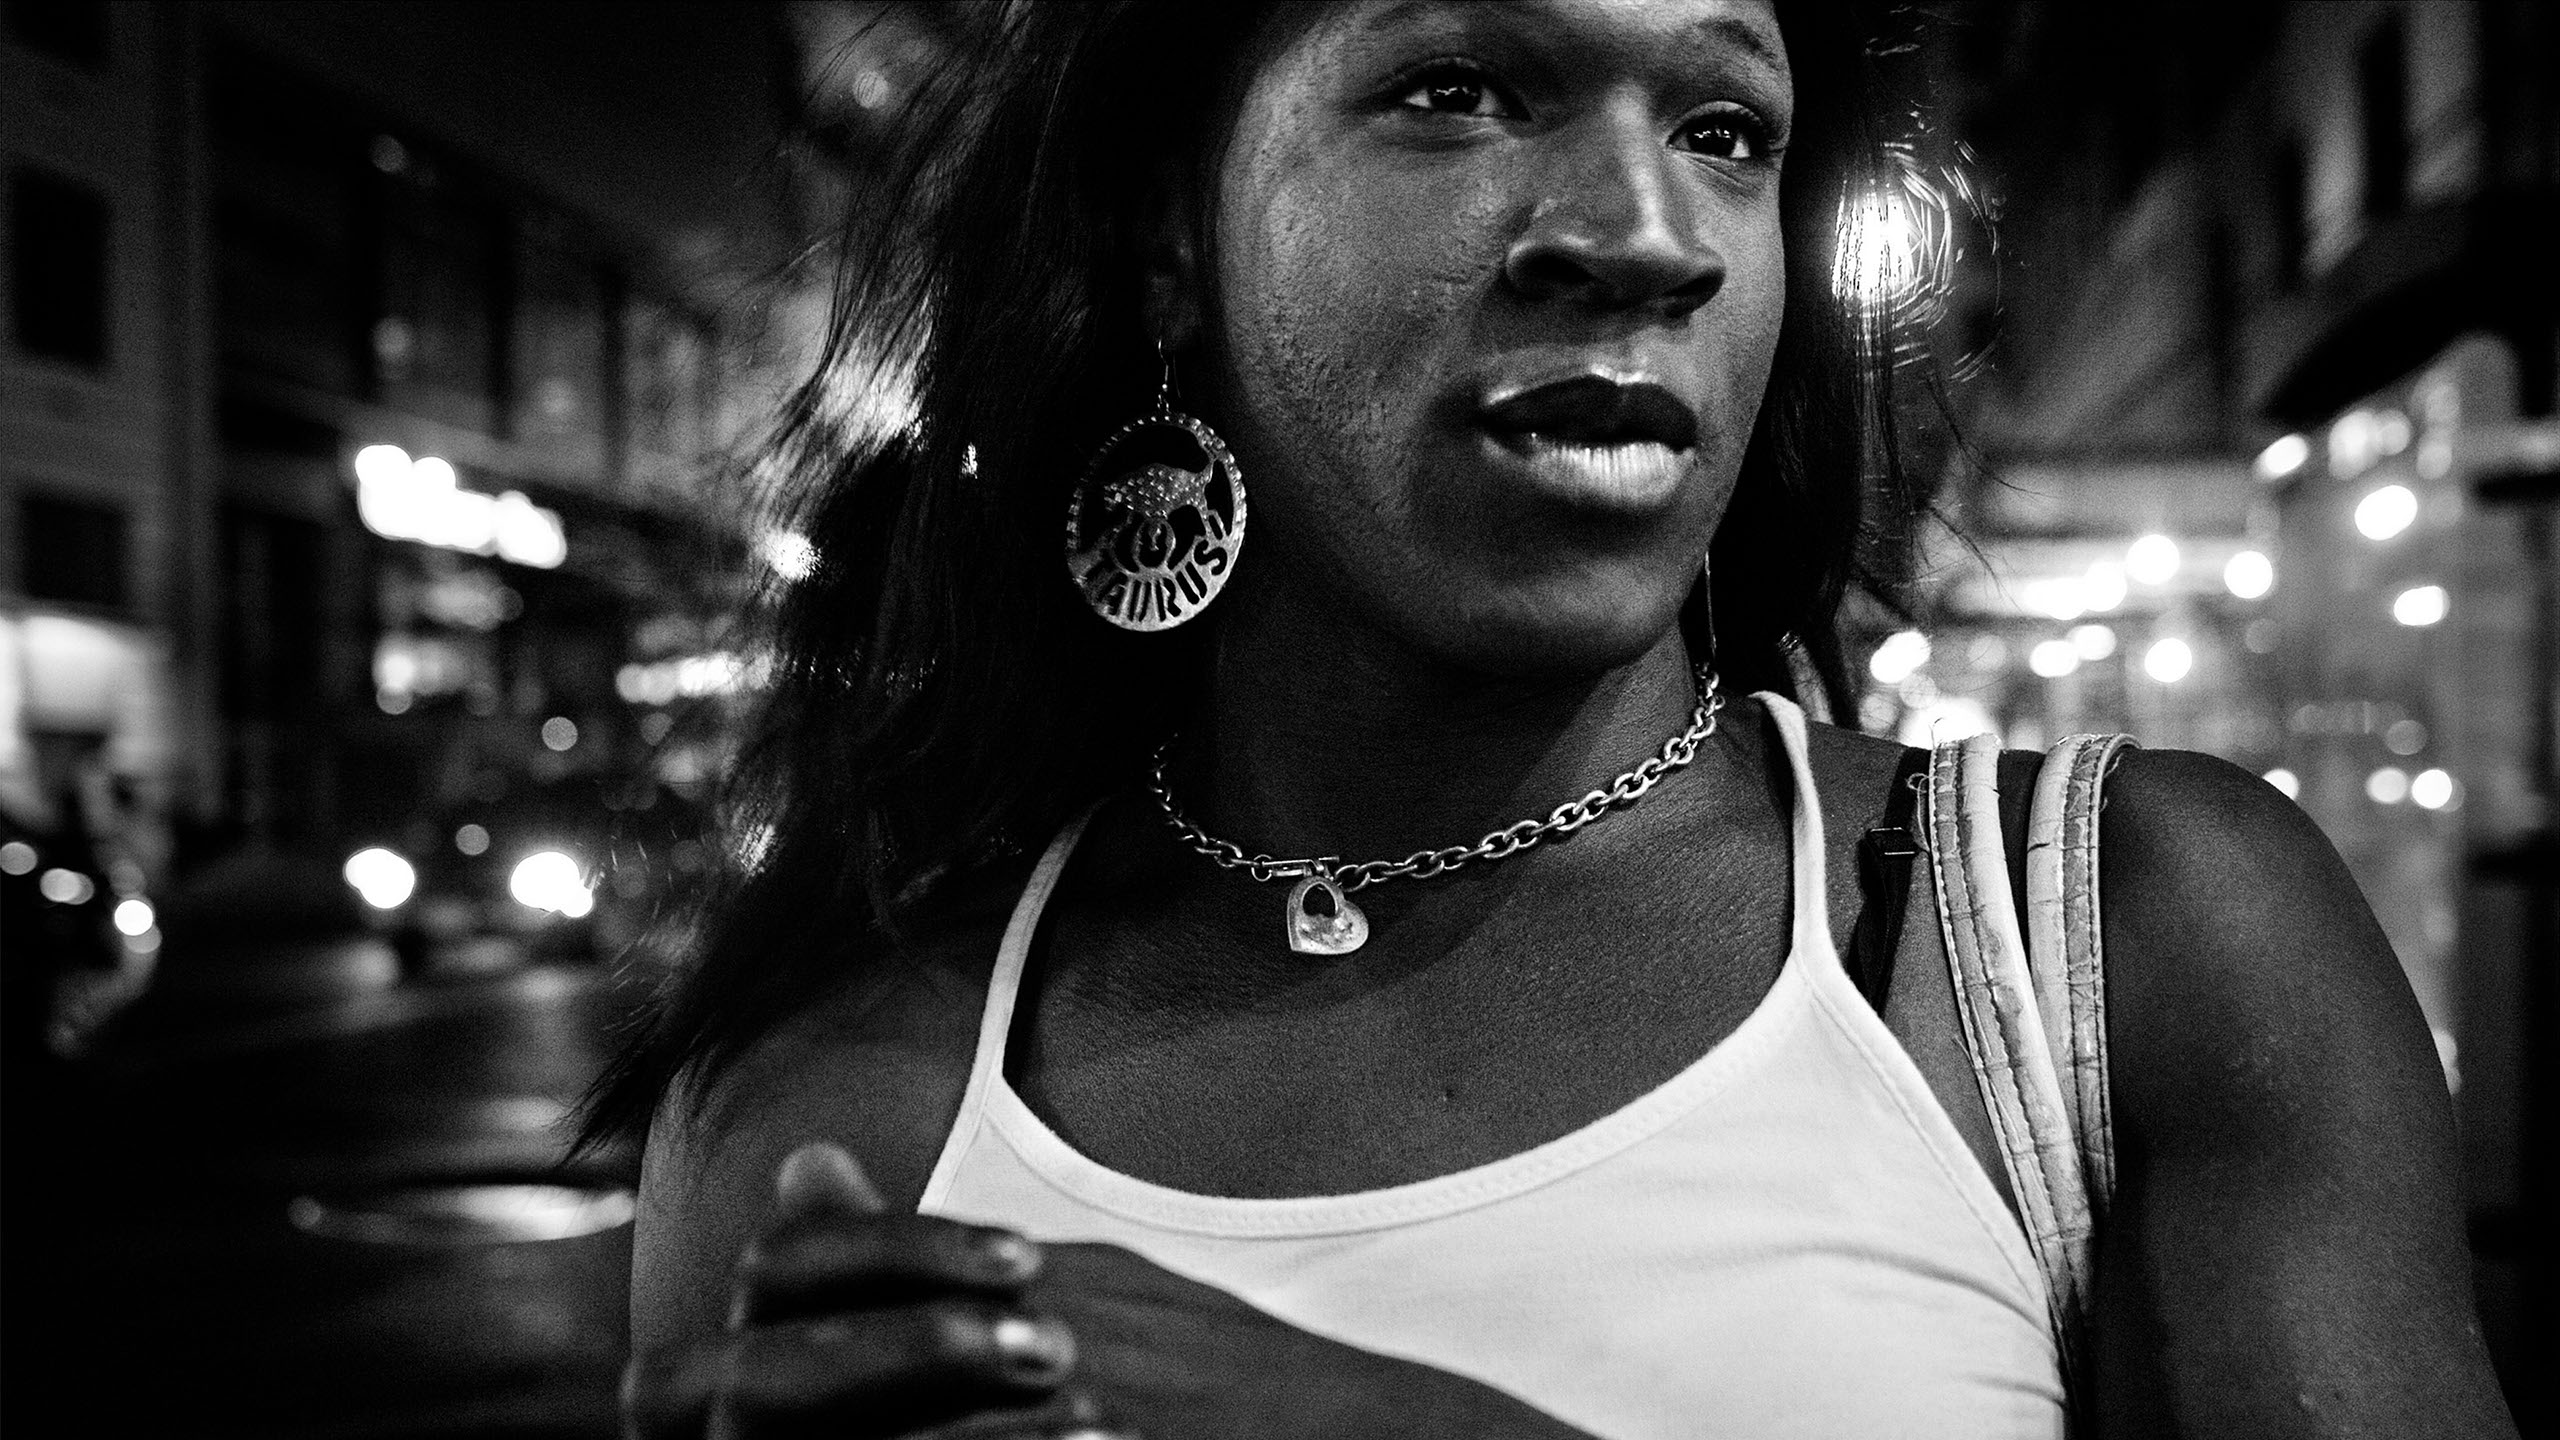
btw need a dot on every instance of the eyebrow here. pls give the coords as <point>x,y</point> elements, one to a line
<point>1713,32</point>
<point>1742,35</point>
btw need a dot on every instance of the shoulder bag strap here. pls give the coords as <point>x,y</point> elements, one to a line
<point>2006,1034</point>
<point>2065,947</point>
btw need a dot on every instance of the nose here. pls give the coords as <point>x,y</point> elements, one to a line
<point>1616,227</point>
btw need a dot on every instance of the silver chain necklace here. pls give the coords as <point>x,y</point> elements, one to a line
<point>1346,929</point>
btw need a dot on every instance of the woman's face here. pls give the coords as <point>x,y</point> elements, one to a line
<point>1497,290</point>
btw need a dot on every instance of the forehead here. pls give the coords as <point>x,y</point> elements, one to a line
<point>1620,33</point>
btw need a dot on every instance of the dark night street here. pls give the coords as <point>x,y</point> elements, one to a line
<point>231,1143</point>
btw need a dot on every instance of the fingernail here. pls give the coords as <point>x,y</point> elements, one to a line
<point>1035,1347</point>
<point>820,1171</point>
<point>1015,1256</point>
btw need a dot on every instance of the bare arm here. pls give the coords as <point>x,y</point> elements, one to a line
<point>2285,1253</point>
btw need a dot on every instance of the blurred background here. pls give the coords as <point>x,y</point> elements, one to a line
<point>377,384</point>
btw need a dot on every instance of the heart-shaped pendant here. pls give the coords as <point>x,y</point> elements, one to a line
<point>1339,933</point>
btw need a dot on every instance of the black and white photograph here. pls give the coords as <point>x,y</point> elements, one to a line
<point>1280,719</point>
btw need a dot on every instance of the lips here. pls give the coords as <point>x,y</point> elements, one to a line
<point>1592,441</point>
<point>1595,411</point>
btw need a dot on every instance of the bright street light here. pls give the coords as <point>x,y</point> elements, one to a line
<point>2093,642</point>
<point>2249,575</point>
<point>381,877</point>
<point>2053,659</point>
<point>2168,661</point>
<point>2420,605</point>
<point>1902,652</point>
<point>2386,512</point>
<point>2282,457</point>
<point>2432,789</point>
<point>2103,589</point>
<point>549,880</point>
<point>2152,560</point>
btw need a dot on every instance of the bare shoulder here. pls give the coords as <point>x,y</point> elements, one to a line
<point>876,1063</point>
<point>2230,922</point>
<point>2284,1255</point>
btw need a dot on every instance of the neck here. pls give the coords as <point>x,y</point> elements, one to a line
<point>1375,751</point>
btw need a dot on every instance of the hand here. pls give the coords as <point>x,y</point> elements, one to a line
<point>1180,1360</point>
<point>850,1321</point>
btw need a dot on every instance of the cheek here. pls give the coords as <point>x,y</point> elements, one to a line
<point>1337,283</point>
<point>1757,292</point>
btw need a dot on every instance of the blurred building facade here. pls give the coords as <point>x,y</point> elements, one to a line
<point>2263,465</point>
<point>525,259</point>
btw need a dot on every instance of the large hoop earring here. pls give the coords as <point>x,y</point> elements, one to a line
<point>1157,521</point>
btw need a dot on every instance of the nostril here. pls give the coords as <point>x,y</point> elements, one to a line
<point>1549,274</point>
<point>1698,290</point>
<point>1642,268</point>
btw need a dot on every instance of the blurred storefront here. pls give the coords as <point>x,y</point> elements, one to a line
<point>2263,465</point>
<point>371,382</point>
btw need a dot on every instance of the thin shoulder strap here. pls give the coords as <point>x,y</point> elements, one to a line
<point>995,1022</point>
<point>2066,946</point>
<point>2005,1031</point>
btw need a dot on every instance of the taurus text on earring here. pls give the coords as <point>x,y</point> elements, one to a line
<point>1157,521</point>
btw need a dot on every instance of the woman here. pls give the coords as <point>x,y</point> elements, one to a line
<point>1508,315</point>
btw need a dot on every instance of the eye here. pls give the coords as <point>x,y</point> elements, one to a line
<point>1727,133</point>
<point>1452,88</point>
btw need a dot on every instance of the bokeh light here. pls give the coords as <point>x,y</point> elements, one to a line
<point>550,880</point>
<point>1902,652</point>
<point>66,887</point>
<point>2433,789</point>
<point>2283,456</point>
<point>2054,659</point>
<point>381,877</point>
<point>2103,588</point>
<point>2249,575</point>
<point>2168,661</point>
<point>2152,560</point>
<point>790,553</point>
<point>2386,511</point>
<point>2420,605</point>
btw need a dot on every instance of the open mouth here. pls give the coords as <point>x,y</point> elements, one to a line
<point>1595,439</point>
<point>1592,412</point>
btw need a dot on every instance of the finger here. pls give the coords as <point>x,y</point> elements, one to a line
<point>817,1264</point>
<point>824,1176</point>
<point>882,1371</point>
<point>1068,1415</point>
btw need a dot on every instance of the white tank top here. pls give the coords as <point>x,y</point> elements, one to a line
<point>1787,1238</point>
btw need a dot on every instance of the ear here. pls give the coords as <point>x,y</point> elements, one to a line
<point>1169,256</point>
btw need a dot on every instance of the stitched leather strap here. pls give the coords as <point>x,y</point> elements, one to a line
<point>2066,945</point>
<point>2006,1034</point>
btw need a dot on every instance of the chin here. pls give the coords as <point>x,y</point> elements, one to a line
<point>1583,627</point>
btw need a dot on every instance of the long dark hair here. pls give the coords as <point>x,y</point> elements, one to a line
<point>940,697</point>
